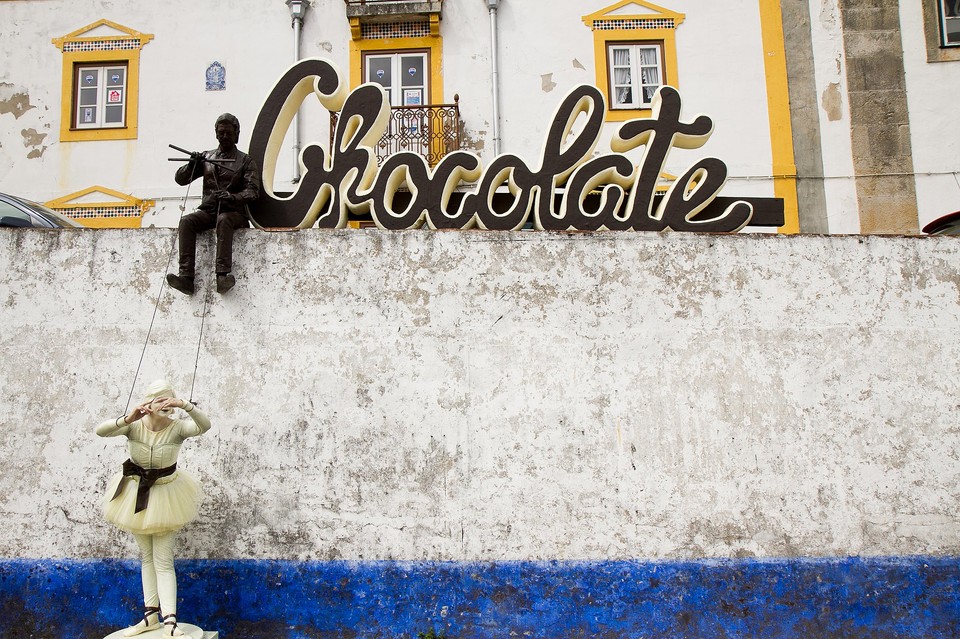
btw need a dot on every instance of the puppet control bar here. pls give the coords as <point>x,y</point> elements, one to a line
<point>196,155</point>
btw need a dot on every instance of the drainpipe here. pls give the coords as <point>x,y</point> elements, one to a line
<point>297,10</point>
<point>492,6</point>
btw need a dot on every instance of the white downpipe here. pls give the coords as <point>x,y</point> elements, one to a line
<point>297,26</point>
<point>495,74</point>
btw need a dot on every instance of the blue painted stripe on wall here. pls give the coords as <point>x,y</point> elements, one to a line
<point>858,598</point>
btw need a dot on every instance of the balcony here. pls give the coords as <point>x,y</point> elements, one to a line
<point>388,10</point>
<point>369,14</point>
<point>431,131</point>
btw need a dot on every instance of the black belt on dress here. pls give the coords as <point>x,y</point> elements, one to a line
<point>147,478</point>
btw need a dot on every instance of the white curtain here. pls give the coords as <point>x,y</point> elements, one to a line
<point>649,73</point>
<point>622,79</point>
<point>648,61</point>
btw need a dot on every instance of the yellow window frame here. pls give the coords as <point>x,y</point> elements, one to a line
<point>431,43</point>
<point>78,50</point>
<point>654,26</point>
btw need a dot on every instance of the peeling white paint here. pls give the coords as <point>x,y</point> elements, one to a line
<point>546,83</point>
<point>14,100</point>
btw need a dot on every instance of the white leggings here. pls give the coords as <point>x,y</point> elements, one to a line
<point>156,571</point>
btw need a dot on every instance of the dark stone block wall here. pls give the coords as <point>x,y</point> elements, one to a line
<point>879,117</point>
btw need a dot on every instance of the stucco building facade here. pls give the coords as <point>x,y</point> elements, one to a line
<point>838,108</point>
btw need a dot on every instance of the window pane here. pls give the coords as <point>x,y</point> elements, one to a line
<point>12,216</point>
<point>621,57</point>
<point>379,71</point>
<point>88,97</point>
<point>650,75</point>
<point>950,22</point>
<point>113,114</point>
<point>624,95</point>
<point>116,76</point>
<point>648,56</point>
<point>952,35</point>
<point>412,69</point>
<point>88,115</point>
<point>89,77</point>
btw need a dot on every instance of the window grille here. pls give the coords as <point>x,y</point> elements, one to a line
<point>81,212</point>
<point>125,44</point>
<point>612,24</point>
<point>385,30</point>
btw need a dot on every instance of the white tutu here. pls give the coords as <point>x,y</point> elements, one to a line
<point>173,503</point>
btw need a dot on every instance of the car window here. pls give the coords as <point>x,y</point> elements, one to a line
<point>12,216</point>
<point>48,217</point>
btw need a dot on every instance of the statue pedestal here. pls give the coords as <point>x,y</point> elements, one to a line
<point>191,631</point>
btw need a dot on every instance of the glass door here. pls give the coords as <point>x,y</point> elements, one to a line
<point>403,75</point>
<point>405,78</point>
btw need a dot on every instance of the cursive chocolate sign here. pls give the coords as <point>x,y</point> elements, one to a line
<point>570,188</point>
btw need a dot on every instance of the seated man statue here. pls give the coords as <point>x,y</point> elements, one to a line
<point>231,180</point>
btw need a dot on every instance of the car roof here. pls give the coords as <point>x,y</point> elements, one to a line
<point>41,210</point>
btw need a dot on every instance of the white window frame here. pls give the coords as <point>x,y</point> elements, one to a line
<point>396,89</point>
<point>104,96</point>
<point>636,84</point>
<point>945,19</point>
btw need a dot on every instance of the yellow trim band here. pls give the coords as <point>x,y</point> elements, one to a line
<point>778,109</point>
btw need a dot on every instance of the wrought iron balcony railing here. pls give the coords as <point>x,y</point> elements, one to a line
<point>430,130</point>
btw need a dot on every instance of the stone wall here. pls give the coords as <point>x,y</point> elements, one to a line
<point>461,399</point>
<point>879,117</point>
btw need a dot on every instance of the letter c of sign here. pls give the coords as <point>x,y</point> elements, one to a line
<point>312,75</point>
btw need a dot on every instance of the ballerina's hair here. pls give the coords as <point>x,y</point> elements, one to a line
<point>160,388</point>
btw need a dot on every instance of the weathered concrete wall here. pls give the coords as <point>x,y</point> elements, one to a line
<point>473,396</point>
<point>552,434</point>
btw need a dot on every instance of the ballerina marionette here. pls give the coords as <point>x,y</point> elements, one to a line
<point>152,499</point>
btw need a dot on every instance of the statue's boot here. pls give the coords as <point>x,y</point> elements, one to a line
<point>170,626</point>
<point>150,621</point>
<point>182,284</point>
<point>225,282</point>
